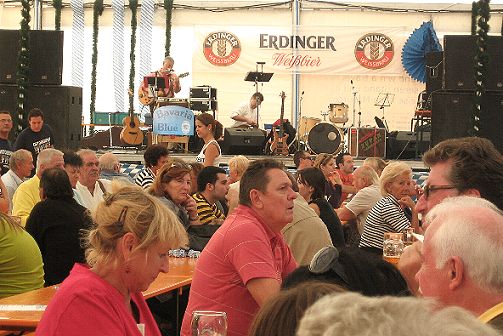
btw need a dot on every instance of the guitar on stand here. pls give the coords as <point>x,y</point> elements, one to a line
<point>131,133</point>
<point>279,145</point>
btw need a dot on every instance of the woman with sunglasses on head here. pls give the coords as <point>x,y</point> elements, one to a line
<point>125,251</point>
<point>389,213</point>
<point>209,129</point>
<point>333,183</point>
<point>172,185</point>
<point>311,184</point>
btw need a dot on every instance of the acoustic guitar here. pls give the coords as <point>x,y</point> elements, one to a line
<point>279,145</point>
<point>146,100</point>
<point>131,133</point>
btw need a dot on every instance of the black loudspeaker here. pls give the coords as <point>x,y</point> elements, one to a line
<point>62,107</point>
<point>459,54</point>
<point>452,111</point>
<point>403,146</point>
<point>46,56</point>
<point>434,71</point>
<point>243,141</point>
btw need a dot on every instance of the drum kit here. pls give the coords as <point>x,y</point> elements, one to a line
<point>320,136</point>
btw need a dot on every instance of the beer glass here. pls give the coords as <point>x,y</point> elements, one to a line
<point>209,323</point>
<point>392,246</point>
<point>408,237</point>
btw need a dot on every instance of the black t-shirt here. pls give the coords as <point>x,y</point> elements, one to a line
<point>35,142</point>
<point>331,220</point>
<point>5,152</point>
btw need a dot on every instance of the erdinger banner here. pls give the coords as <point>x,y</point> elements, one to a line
<point>326,50</point>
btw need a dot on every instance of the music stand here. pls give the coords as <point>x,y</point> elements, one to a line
<point>384,99</point>
<point>158,82</point>
<point>259,77</point>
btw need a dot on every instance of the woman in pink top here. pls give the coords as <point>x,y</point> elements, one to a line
<point>125,251</point>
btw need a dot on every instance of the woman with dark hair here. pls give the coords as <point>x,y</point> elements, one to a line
<point>333,183</point>
<point>56,223</point>
<point>312,188</point>
<point>209,129</point>
<point>354,269</point>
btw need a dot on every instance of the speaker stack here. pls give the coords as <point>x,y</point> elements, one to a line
<point>62,105</point>
<point>452,103</point>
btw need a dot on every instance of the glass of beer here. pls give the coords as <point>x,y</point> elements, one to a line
<point>209,323</point>
<point>392,247</point>
<point>408,236</point>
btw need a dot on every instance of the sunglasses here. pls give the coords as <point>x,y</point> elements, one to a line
<point>429,188</point>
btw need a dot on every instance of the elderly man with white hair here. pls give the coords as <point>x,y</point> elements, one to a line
<point>90,187</point>
<point>462,257</point>
<point>352,314</point>
<point>20,164</point>
<point>28,193</point>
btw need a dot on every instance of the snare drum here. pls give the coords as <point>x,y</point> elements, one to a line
<point>338,113</point>
<point>325,138</point>
<point>306,124</point>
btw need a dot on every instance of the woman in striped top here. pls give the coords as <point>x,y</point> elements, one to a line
<point>388,215</point>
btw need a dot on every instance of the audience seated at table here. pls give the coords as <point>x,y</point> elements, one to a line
<point>20,167</point>
<point>375,163</point>
<point>110,168</point>
<point>388,214</point>
<point>333,183</point>
<point>311,183</point>
<point>73,164</point>
<point>155,157</point>
<point>56,223</point>
<point>353,269</point>
<point>281,314</point>
<point>90,187</point>
<point>125,251</point>
<point>351,314</point>
<point>196,168</point>
<point>21,268</point>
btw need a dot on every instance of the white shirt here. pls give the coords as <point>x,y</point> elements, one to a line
<point>361,204</point>
<point>89,200</point>
<point>244,110</point>
<point>201,157</point>
<point>11,181</point>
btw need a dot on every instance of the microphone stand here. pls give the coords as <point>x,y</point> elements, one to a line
<point>359,111</point>
<point>299,119</point>
<point>354,103</point>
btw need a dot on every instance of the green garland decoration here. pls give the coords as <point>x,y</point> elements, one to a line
<point>481,63</point>
<point>168,6</point>
<point>23,64</point>
<point>474,17</point>
<point>133,6</point>
<point>58,5</point>
<point>97,11</point>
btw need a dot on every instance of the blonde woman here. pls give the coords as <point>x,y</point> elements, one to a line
<point>126,250</point>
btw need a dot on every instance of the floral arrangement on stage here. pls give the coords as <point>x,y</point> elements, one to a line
<point>168,6</point>
<point>97,11</point>
<point>133,6</point>
<point>23,66</point>
<point>57,4</point>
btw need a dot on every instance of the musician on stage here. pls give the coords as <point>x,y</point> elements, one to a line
<point>171,80</point>
<point>246,114</point>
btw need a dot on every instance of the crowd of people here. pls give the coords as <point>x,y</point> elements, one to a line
<point>281,253</point>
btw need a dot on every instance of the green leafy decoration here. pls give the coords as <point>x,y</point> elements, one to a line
<point>23,64</point>
<point>133,6</point>
<point>481,63</point>
<point>58,5</point>
<point>168,6</point>
<point>97,11</point>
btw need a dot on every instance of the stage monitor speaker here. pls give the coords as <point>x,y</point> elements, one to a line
<point>452,111</point>
<point>367,142</point>
<point>243,141</point>
<point>46,56</point>
<point>459,54</point>
<point>403,145</point>
<point>62,107</point>
<point>434,71</point>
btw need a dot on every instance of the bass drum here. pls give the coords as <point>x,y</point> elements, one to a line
<point>325,138</point>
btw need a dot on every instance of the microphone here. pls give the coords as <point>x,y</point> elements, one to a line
<point>302,93</point>
<point>351,82</point>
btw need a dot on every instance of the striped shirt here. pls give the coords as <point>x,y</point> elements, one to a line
<point>385,216</point>
<point>145,178</point>
<point>207,213</point>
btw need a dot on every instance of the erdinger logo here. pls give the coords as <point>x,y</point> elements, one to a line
<point>221,48</point>
<point>374,51</point>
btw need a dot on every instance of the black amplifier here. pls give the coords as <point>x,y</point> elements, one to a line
<point>203,92</point>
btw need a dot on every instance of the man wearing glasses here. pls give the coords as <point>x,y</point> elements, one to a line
<point>469,166</point>
<point>302,159</point>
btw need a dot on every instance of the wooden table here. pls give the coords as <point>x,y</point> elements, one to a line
<point>27,308</point>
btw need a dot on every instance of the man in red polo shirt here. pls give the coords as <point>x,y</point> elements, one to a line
<point>345,166</point>
<point>246,260</point>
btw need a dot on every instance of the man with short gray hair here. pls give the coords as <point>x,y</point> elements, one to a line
<point>462,257</point>
<point>90,187</point>
<point>21,165</point>
<point>110,168</point>
<point>28,193</point>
